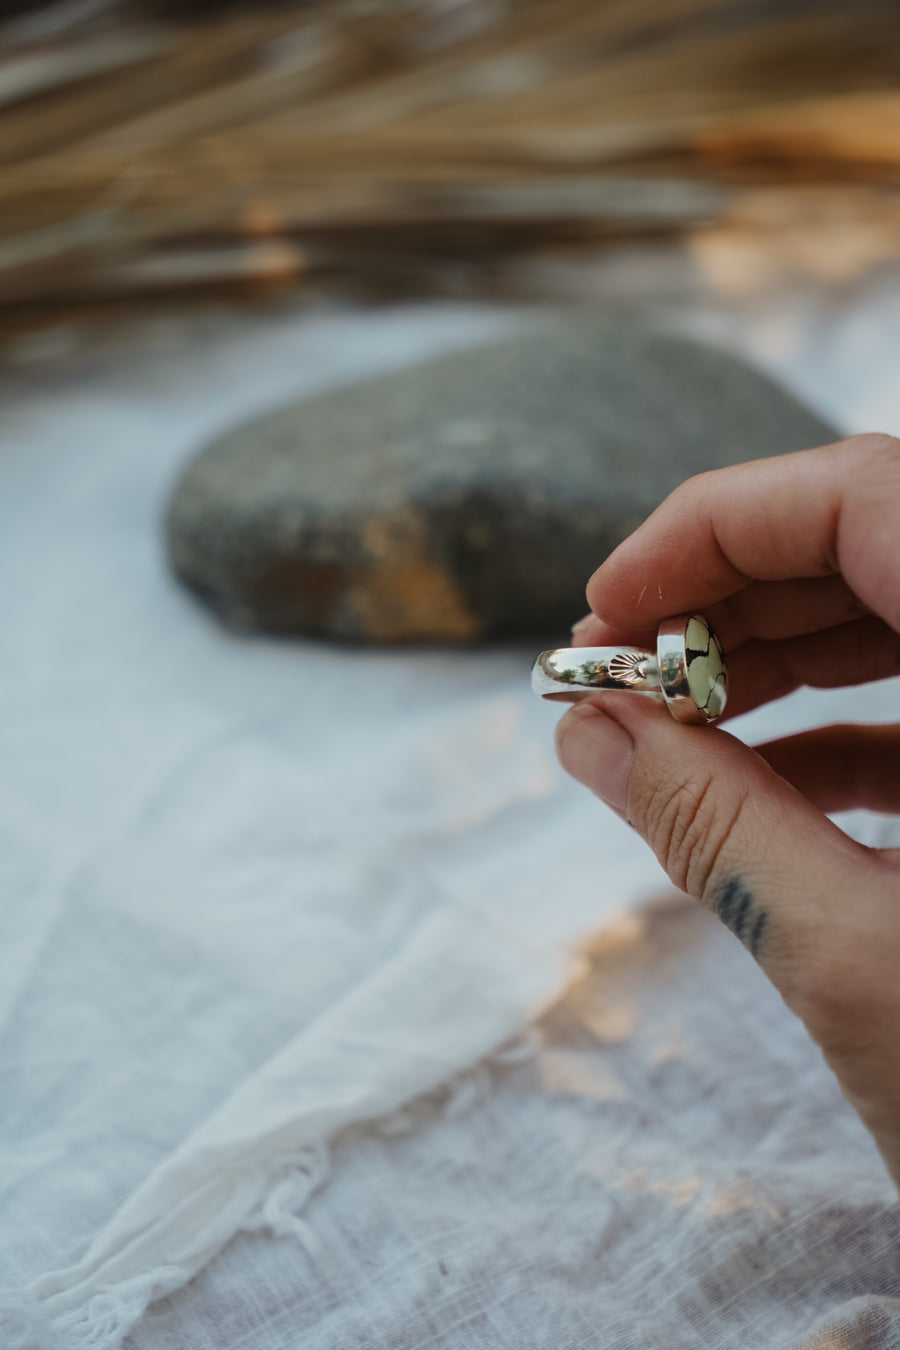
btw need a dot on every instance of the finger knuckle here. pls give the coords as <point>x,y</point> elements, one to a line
<point>693,489</point>
<point>689,827</point>
<point>876,446</point>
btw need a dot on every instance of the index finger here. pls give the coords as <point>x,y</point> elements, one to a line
<point>832,510</point>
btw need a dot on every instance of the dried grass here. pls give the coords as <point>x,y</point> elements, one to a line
<point>151,155</point>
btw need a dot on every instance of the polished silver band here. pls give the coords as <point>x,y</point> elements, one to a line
<point>570,673</point>
<point>687,671</point>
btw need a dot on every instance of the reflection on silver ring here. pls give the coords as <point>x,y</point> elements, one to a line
<point>686,672</point>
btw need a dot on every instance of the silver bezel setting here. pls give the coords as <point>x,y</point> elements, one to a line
<point>675,658</point>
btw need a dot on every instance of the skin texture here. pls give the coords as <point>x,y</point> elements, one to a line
<point>795,560</point>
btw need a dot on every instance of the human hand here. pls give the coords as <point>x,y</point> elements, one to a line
<point>796,563</point>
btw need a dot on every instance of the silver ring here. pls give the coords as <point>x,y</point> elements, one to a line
<point>686,672</point>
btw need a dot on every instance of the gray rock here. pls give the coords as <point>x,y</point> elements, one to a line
<point>471,497</point>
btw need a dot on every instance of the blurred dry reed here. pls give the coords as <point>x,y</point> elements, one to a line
<point>154,152</point>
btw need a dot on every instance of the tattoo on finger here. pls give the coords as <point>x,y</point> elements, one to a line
<point>739,910</point>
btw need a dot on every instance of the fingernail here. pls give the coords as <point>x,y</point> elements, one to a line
<point>597,751</point>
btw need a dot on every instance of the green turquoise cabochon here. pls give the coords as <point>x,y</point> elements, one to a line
<point>705,659</point>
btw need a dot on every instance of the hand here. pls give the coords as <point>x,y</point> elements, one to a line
<point>796,562</point>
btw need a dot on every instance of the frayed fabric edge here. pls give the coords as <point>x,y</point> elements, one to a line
<point>283,1189</point>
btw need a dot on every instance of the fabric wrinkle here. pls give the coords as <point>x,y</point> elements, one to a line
<point>283,917</point>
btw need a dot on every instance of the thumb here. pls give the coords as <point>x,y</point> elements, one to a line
<point>817,910</point>
<point>725,827</point>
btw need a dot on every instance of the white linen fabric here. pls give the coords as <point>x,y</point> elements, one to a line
<point>260,894</point>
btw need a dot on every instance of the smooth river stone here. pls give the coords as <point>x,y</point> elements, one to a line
<point>470,497</point>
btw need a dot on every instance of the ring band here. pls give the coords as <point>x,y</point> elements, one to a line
<point>687,671</point>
